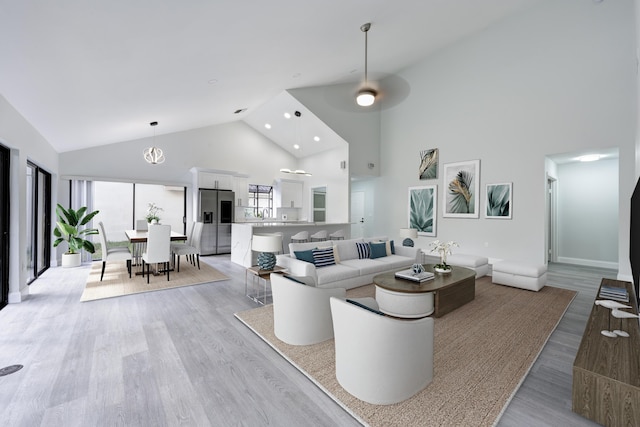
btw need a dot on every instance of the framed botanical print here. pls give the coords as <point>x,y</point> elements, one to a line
<point>499,201</point>
<point>428,164</point>
<point>423,209</point>
<point>461,188</point>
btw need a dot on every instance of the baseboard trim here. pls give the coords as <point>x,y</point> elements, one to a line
<point>589,262</point>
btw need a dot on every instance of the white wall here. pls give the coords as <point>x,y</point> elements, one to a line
<point>559,77</point>
<point>26,144</point>
<point>326,172</point>
<point>587,213</point>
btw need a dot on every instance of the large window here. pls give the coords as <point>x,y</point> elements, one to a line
<point>121,204</point>
<point>261,200</point>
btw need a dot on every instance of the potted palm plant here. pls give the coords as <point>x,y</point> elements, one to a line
<point>69,228</point>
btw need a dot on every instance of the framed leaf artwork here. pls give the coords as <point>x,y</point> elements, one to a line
<point>462,185</point>
<point>499,200</point>
<point>428,164</point>
<point>423,209</point>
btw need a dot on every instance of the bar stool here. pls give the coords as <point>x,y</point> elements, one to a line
<point>319,236</point>
<point>337,235</point>
<point>300,237</point>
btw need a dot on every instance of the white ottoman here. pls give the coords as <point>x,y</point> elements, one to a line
<point>520,274</point>
<point>479,264</point>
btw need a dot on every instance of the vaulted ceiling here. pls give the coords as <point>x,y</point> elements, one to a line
<point>88,73</point>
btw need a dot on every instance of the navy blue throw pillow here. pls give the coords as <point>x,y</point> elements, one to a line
<point>305,255</point>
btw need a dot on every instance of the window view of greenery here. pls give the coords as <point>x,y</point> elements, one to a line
<point>261,201</point>
<point>120,204</point>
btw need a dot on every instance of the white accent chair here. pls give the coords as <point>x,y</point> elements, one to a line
<point>191,249</point>
<point>300,237</point>
<point>379,359</point>
<point>301,313</point>
<point>112,254</point>
<point>158,248</point>
<point>320,236</point>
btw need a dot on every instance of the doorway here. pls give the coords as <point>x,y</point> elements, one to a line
<point>357,214</point>
<point>319,204</point>
<point>4,225</point>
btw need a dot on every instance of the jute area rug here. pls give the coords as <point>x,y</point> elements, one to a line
<point>116,281</point>
<point>483,350</point>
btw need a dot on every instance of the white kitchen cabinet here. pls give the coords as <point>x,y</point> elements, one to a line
<point>290,193</point>
<point>241,190</point>
<point>215,181</point>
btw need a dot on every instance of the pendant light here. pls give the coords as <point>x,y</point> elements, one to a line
<point>297,171</point>
<point>366,96</point>
<point>154,154</point>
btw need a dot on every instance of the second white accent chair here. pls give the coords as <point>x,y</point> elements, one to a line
<point>191,248</point>
<point>379,359</point>
<point>158,248</point>
<point>301,313</point>
<point>112,254</point>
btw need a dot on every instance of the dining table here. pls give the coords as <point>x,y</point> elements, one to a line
<point>138,240</point>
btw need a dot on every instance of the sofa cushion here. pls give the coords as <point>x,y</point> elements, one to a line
<point>378,250</point>
<point>347,248</point>
<point>367,266</point>
<point>305,255</point>
<point>335,273</point>
<point>364,251</point>
<point>396,261</point>
<point>323,257</point>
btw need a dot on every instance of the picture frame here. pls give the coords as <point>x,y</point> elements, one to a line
<point>428,168</point>
<point>461,190</point>
<point>499,200</point>
<point>423,209</point>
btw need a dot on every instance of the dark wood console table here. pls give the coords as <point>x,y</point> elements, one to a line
<point>606,371</point>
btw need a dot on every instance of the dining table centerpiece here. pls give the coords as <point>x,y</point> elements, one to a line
<point>153,212</point>
<point>443,249</point>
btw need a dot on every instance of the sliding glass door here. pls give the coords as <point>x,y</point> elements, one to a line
<point>38,221</point>
<point>4,226</point>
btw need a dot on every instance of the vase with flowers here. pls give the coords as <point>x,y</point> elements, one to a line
<point>443,249</point>
<point>152,213</point>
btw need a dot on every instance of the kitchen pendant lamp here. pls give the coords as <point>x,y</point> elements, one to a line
<point>366,96</point>
<point>154,154</point>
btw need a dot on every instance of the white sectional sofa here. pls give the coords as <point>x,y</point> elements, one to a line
<point>349,270</point>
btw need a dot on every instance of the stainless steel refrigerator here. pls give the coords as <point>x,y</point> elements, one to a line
<point>215,210</point>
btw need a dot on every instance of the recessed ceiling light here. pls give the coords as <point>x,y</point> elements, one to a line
<point>316,138</point>
<point>590,158</point>
<point>287,115</point>
<point>213,81</point>
<point>296,146</point>
<point>267,125</point>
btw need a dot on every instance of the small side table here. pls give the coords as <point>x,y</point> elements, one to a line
<point>254,291</point>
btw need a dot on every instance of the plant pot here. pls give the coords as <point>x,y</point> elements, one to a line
<point>442,270</point>
<point>71,260</point>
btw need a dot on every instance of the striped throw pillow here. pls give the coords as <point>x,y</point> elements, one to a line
<point>363,250</point>
<point>323,257</point>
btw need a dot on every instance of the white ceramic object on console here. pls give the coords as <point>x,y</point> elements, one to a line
<point>619,314</point>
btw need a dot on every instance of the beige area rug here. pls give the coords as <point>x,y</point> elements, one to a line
<point>483,350</point>
<point>116,281</point>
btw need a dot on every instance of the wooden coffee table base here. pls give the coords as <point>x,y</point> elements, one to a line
<point>448,299</point>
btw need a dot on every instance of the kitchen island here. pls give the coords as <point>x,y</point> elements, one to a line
<point>241,233</point>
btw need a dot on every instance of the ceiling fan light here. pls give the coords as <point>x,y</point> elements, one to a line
<point>366,97</point>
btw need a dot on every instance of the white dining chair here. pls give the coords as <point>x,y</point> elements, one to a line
<point>191,248</point>
<point>142,225</point>
<point>158,248</point>
<point>176,245</point>
<point>121,253</point>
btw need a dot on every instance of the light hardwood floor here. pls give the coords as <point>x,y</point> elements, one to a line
<point>179,357</point>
